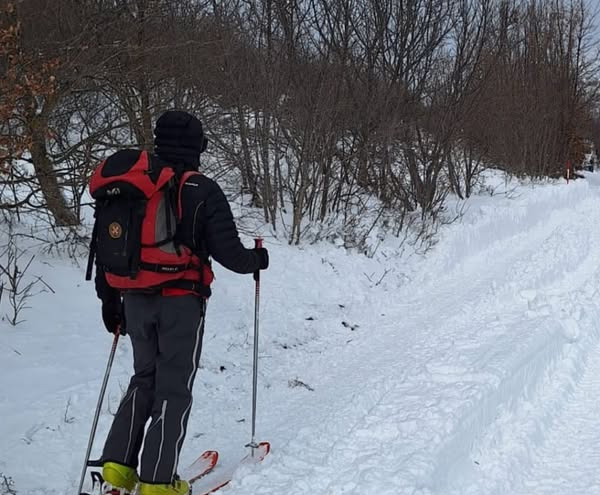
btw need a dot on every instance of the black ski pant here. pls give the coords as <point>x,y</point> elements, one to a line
<point>166,334</point>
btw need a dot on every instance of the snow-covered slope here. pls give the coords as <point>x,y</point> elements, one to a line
<point>471,370</point>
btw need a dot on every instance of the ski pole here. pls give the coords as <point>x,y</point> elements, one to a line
<point>97,415</point>
<point>253,444</point>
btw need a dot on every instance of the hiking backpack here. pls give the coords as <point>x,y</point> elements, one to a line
<point>134,240</point>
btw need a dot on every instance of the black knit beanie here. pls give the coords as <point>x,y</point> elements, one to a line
<point>179,138</point>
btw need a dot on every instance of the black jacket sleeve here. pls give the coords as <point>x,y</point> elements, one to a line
<point>206,212</point>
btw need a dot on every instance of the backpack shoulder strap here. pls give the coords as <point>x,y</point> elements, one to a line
<point>200,249</point>
<point>184,178</point>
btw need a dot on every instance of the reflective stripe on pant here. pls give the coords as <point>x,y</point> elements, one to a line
<point>166,334</point>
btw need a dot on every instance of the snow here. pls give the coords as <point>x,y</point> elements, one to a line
<point>472,369</point>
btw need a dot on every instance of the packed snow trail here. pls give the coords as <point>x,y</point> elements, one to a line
<point>403,410</point>
<point>547,442</point>
<point>568,462</point>
<point>454,374</point>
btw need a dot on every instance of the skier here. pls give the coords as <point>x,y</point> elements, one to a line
<point>166,323</point>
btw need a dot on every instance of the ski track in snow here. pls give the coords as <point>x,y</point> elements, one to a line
<point>477,376</point>
<point>462,354</point>
<point>568,461</point>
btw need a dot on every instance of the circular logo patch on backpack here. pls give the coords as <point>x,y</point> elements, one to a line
<point>115,230</point>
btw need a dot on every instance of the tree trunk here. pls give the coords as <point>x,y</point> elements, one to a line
<point>45,174</point>
<point>146,117</point>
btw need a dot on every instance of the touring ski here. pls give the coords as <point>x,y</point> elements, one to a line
<point>221,476</point>
<point>201,466</point>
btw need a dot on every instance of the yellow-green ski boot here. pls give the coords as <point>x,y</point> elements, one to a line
<point>118,479</point>
<point>178,487</point>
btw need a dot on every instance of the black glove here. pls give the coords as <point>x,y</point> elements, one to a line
<point>113,316</point>
<point>263,258</point>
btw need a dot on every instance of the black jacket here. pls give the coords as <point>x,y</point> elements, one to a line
<point>207,227</point>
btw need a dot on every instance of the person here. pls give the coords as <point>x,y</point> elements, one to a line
<point>166,326</point>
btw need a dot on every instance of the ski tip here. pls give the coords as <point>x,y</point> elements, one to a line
<point>212,455</point>
<point>266,446</point>
<point>201,466</point>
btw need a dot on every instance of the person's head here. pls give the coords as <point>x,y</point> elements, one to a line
<point>179,138</point>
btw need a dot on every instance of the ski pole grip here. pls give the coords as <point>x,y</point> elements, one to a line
<point>258,243</point>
